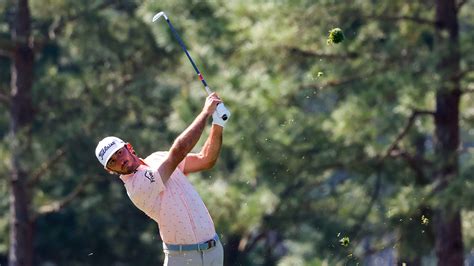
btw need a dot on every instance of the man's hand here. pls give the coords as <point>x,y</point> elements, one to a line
<point>217,120</point>
<point>211,103</point>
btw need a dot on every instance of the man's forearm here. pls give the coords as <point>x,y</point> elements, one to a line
<point>186,141</point>
<point>211,149</point>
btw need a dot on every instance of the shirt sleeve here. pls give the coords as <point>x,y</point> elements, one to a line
<point>181,165</point>
<point>144,188</point>
<point>160,155</point>
<point>160,184</point>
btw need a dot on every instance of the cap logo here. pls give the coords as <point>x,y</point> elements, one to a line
<point>105,149</point>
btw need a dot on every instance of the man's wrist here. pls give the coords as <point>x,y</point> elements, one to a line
<point>206,113</point>
<point>218,125</point>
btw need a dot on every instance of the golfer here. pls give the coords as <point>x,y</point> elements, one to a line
<point>158,186</point>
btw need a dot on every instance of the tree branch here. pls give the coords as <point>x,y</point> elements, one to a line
<point>398,18</point>
<point>6,47</point>
<point>394,151</point>
<point>286,193</point>
<point>58,24</point>
<point>45,166</point>
<point>59,205</point>
<point>414,162</point>
<point>368,251</point>
<point>466,150</point>
<point>460,4</point>
<point>245,246</point>
<point>404,131</point>
<point>309,53</point>
<point>461,74</point>
<point>350,79</point>
<point>373,197</point>
<point>5,99</point>
<point>469,90</point>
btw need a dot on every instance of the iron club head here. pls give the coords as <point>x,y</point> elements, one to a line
<point>158,15</point>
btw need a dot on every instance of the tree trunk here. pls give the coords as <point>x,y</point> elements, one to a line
<point>233,256</point>
<point>21,112</point>
<point>447,220</point>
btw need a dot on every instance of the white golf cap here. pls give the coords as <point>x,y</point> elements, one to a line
<point>107,147</point>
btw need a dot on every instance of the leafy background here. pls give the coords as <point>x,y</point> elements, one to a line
<point>300,166</point>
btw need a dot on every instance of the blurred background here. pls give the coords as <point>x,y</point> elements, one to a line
<point>357,153</point>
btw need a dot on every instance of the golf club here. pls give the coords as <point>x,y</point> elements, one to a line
<point>222,111</point>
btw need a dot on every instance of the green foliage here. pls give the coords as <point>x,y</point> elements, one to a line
<point>301,153</point>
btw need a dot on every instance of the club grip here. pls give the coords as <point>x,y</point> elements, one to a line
<point>222,111</point>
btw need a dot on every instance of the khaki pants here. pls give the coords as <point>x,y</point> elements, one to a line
<point>210,257</point>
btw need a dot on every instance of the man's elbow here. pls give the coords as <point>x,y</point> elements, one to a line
<point>177,153</point>
<point>209,163</point>
<point>212,163</point>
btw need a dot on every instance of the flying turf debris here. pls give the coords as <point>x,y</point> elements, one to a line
<point>335,36</point>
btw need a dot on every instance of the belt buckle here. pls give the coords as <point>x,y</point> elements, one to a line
<point>211,243</point>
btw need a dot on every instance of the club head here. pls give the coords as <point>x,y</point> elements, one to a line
<point>158,15</point>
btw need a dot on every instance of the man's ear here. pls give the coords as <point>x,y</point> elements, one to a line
<point>110,172</point>
<point>130,148</point>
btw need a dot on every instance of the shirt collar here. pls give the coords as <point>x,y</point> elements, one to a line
<point>142,166</point>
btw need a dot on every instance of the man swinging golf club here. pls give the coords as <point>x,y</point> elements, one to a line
<point>158,186</point>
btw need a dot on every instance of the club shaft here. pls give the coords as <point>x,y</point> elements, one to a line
<point>221,110</point>
<point>180,41</point>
